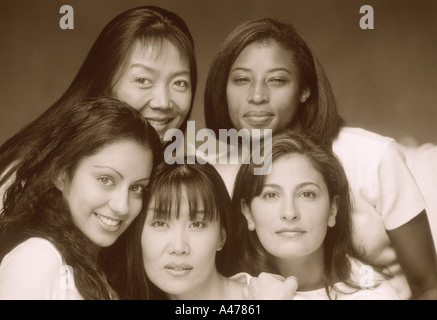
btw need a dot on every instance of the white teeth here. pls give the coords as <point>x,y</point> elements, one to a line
<point>108,221</point>
<point>158,122</point>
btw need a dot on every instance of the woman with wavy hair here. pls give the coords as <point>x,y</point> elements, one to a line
<point>74,194</point>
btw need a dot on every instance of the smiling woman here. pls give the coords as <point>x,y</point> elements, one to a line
<point>106,191</point>
<point>157,82</point>
<point>72,197</point>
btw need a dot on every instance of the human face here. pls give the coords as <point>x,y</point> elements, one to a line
<point>263,90</point>
<point>293,211</point>
<point>179,254</point>
<point>157,83</point>
<point>105,193</point>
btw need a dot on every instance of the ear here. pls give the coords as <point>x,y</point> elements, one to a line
<point>61,181</point>
<point>305,94</point>
<point>333,210</point>
<point>223,237</point>
<point>247,213</point>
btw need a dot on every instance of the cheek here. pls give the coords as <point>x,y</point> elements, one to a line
<point>127,93</point>
<point>151,246</point>
<point>183,101</point>
<point>287,107</point>
<point>263,218</point>
<point>318,226</point>
<point>233,97</point>
<point>135,207</point>
<point>206,243</point>
<point>83,197</point>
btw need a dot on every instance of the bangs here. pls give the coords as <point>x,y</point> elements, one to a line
<point>157,41</point>
<point>171,191</point>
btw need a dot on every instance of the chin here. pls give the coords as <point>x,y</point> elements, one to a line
<point>103,243</point>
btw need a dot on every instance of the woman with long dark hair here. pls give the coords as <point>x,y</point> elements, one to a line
<point>74,194</point>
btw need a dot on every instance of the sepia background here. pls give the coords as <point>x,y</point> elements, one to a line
<point>385,80</point>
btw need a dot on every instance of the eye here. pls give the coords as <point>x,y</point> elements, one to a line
<point>308,195</point>
<point>198,225</point>
<point>107,181</point>
<point>159,224</point>
<point>181,83</point>
<point>144,82</point>
<point>240,80</point>
<point>139,189</point>
<point>277,81</point>
<point>270,195</point>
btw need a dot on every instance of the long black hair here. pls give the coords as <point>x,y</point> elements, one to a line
<point>98,73</point>
<point>34,207</point>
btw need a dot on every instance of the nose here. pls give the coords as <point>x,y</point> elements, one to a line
<point>119,201</point>
<point>258,93</point>
<point>290,211</point>
<point>160,98</point>
<point>179,242</point>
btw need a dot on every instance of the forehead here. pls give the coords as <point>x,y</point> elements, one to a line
<point>126,156</point>
<point>155,50</point>
<point>294,169</point>
<point>267,53</point>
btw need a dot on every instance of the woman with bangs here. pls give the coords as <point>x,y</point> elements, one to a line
<point>185,235</point>
<point>183,232</point>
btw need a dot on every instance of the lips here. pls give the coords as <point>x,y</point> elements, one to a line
<point>178,269</point>
<point>290,232</point>
<point>109,224</point>
<point>159,123</point>
<point>258,118</point>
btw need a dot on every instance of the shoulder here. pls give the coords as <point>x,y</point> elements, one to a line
<point>241,277</point>
<point>366,153</point>
<point>360,139</point>
<point>373,284</point>
<point>383,291</point>
<point>30,270</point>
<point>36,251</point>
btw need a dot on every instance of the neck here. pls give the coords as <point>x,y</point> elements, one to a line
<point>214,288</point>
<point>309,270</point>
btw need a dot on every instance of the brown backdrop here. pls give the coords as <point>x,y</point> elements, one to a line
<point>385,79</point>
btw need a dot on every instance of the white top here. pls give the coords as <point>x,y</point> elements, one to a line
<point>373,287</point>
<point>384,193</point>
<point>34,270</point>
<point>422,161</point>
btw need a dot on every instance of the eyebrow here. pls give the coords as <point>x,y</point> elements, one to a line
<point>119,174</point>
<point>154,71</point>
<point>300,185</point>
<point>270,70</point>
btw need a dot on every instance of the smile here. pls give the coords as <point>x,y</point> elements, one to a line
<point>159,122</point>
<point>108,221</point>
<point>178,269</point>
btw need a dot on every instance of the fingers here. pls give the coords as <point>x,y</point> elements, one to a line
<point>269,286</point>
<point>291,283</point>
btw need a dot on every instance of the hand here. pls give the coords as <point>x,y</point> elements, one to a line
<point>270,287</point>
